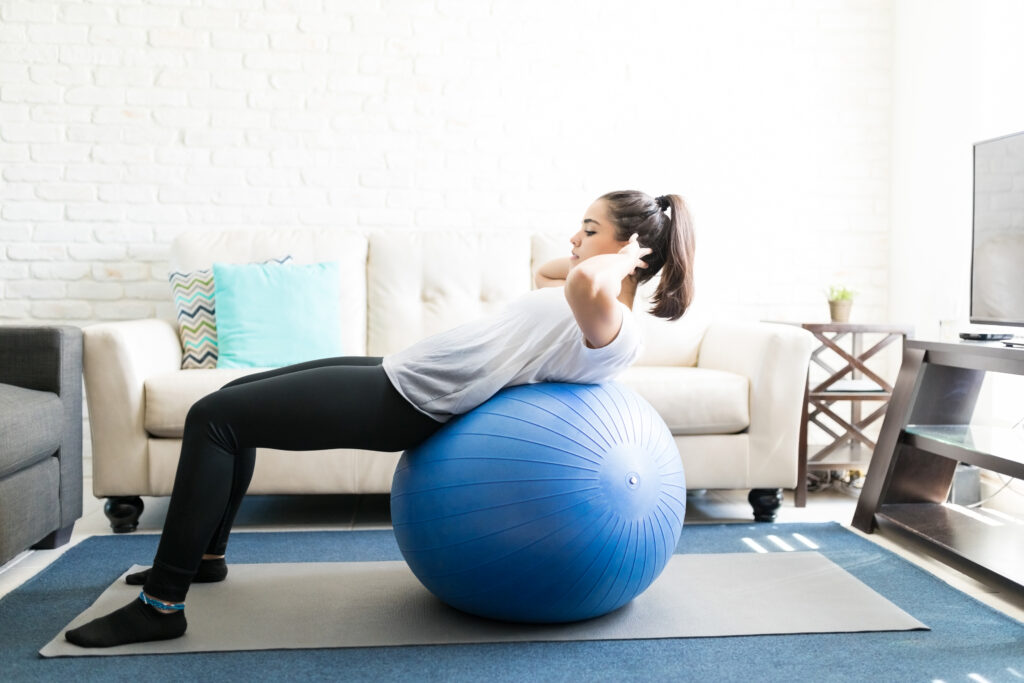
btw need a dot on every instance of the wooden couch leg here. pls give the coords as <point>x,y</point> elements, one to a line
<point>766,503</point>
<point>123,513</point>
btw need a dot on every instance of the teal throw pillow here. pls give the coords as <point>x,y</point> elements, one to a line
<point>197,316</point>
<point>270,315</point>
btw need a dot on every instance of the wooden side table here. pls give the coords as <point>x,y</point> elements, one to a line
<point>854,382</point>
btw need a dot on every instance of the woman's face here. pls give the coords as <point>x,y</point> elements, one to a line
<point>595,236</point>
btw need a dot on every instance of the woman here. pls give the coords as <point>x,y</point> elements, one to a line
<point>576,327</point>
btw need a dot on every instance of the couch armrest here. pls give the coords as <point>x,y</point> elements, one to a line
<point>119,356</point>
<point>774,358</point>
<point>50,359</point>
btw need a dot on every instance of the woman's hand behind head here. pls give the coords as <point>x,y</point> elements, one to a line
<point>634,250</point>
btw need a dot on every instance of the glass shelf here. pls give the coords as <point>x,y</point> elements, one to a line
<point>996,448</point>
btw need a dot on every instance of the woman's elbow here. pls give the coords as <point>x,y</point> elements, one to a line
<point>580,285</point>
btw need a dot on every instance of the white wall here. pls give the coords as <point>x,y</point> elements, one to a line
<point>957,70</point>
<point>123,122</point>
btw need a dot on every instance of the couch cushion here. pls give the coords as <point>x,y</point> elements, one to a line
<point>422,283</point>
<point>691,400</point>
<point>31,424</point>
<point>196,249</point>
<point>169,396</point>
<point>694,400</point>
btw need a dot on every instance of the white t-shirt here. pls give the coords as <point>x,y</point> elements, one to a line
<point>535,339</point>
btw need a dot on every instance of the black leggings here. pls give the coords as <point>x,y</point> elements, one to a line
<point>346,402</point>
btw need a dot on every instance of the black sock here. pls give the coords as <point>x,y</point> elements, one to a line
<point>136,622</point>
<point>210,571</point>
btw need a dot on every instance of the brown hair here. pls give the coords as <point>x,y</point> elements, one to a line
<point>664,225</point>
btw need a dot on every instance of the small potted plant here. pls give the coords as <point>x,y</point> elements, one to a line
<point>840,299</point>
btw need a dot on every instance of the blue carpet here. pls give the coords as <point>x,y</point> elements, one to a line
<point>967,637</point>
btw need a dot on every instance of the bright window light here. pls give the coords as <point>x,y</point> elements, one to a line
<point>973,515</point>
<point>1001,515</point>
<point>781,544</point>
<point>754,545</point>
<point>806,541</point>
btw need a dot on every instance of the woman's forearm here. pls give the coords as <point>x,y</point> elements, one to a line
<point>552,273</point>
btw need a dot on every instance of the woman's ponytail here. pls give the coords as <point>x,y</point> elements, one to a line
<point>663,224</point>
<point>675,290</point>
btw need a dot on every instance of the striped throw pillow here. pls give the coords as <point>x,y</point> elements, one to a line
<point>197,316</point>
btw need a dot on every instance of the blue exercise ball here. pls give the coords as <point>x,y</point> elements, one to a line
<point>548,503</point>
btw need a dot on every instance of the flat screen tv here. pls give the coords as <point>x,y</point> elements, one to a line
<point>997,257</point>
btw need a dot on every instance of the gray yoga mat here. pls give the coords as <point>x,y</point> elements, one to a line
<point>372,604</point>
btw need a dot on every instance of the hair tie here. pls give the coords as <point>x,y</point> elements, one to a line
<point>663,202</point>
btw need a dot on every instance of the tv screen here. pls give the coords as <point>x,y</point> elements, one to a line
<point>997,259</point>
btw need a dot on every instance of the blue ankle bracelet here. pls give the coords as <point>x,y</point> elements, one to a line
<point>159,604</point>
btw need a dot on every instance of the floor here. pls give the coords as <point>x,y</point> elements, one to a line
<point>296,513</point>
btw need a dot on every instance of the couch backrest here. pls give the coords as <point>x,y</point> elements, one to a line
<point>421,283</point>
<point>401,286</point>
<point>192,250</point>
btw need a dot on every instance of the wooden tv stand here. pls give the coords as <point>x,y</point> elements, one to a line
<point>926,432</point>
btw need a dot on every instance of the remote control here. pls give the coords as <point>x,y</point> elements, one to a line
<point>985,336</point>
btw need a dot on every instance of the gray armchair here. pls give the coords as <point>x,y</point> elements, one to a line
<point>40,437</point>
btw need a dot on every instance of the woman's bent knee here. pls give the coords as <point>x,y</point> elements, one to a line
<point>210,418</point>
<point>206,410</point>
<point>238,380</point>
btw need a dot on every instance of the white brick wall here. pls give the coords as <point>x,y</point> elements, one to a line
<point>123,122</point>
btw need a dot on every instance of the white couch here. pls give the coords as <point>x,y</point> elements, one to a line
<point>731,393</point>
